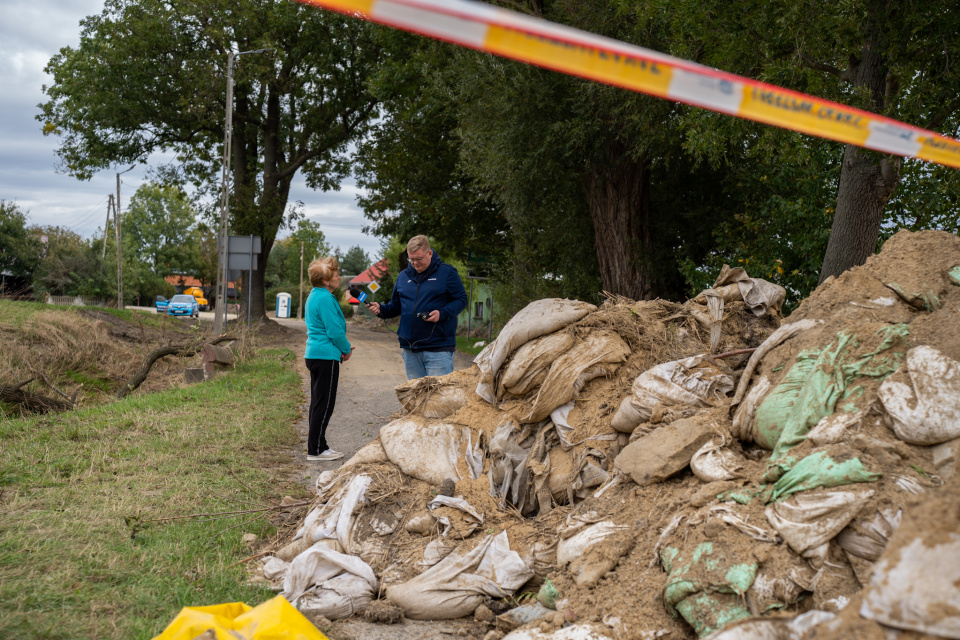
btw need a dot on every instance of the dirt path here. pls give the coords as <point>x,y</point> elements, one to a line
<point>365,402</point>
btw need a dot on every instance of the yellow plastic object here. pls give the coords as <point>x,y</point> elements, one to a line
<point>275,619</point>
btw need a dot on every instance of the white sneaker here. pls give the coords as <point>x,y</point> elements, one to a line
<point>329,454</point>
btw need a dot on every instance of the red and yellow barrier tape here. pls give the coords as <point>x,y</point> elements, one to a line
<point>546,44</point>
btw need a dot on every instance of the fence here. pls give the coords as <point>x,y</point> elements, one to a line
<point>80,301</point>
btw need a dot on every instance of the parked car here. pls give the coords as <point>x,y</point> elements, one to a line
<point>183,305</point>
<point>162,304</point>
<point>197,293</point>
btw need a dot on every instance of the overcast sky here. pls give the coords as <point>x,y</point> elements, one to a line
<point>31,32</point>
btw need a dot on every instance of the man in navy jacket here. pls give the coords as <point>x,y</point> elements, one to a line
<point>428,296</point>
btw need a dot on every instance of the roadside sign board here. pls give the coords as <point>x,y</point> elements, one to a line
<point>374,287</point>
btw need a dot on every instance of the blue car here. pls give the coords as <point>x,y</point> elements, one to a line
<point>183,305</point>
<point>162,304</point>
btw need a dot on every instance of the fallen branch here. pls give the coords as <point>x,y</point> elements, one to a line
<point>71,400</point>
<point>32,401</point>
<point>178,350</point>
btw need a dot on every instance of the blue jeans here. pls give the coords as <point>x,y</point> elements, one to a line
<point>427,363</point>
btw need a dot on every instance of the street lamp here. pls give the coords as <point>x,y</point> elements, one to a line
<point>219,316</point>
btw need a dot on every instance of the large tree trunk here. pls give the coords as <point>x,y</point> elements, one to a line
<point>867,180</point>
<point>619,201</point>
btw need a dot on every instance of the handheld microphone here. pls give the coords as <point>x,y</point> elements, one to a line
<point>359,295</point>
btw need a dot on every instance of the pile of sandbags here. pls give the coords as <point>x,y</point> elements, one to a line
<point>658,469</point>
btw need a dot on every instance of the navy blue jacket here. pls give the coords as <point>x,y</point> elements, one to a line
<point>440,288</point>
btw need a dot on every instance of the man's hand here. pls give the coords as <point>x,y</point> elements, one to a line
<point>346,356</point>
<point>374,308</point>
<point>434,316</point>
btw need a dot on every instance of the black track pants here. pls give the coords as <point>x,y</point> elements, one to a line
<point>324,375</point>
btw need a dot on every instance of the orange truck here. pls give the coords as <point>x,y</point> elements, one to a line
<point>197,293</point>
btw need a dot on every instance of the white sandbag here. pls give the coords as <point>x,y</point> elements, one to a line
<point>457,585</point>
<point>916,585</point>
<point>867,537</point>
<point>319,564</point>
<point>337,598</point>
<point>275,568</point>
<point>431,397</point>
<point>333,523</point>
<point>571,548</point>
<point>833,428</point>
<point>762,297</point>
<point>744,420</point>
<point>536,319</point>
<point>753,629</point>
<point>425,450</point>
<point>927,410</point>
<point>573,632</point>
<point>715,462</point>
<point>371,452</point>
<point>435,551</point>
<point>530,363</point>
<point>692,381</point>
<point>473,455</point>
<point>808,520</point>
<point>945,457</point>
<point>573,369</point>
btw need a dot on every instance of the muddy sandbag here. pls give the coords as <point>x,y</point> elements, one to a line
<point>578,544</point>
<point>457,585</point>
<point>694,381</point>
<point>716,462</point>
<point>536,319</point>
<point>807,521</point>
<point>867,538</point>
<point>422,449</point>
<point>915,585</point>
<point>762,297</point>
<point>530,363</point>
<point>925,410</point>
<point>832,466</point>
<point>312,577</point>
<point>573,369</point>
<point>431,397</point>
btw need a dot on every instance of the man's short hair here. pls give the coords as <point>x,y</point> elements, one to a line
<point>322,270</point>
<point>418,243</point>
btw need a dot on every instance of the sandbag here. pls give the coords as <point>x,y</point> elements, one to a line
<point>530,363</point>
<point>926,410</point>
<point>774,340</point>
<point>715,462</point>
<point>425,450</point>
<point>809,520</point>
<point>457,585</point>
<point>311,569</point>
<point>868,537</point>
<point>536,319</point>
<point>431,397</point>
<point>575,546</point>
<point>573,369</point>
<point>832,466</point>
<point>762,297</point>
<point>692,381</point>
<point>371,452</point>
<point>915,583</point>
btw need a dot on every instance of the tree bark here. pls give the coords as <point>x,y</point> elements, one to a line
<point>618,197</point>
<point>867,180</point>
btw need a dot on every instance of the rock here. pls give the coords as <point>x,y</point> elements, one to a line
<point>250,539</point>
<point>713,528</point>
<point>193,375</point>
<point>483,614</point>
<point>447,488</point>
<point>570,615</point>
<point>709,492</point>
<point>664,452</point>
<point>422,524</point>
<point>382,612</point>
<point>493,634</point>
<point>286,501</point>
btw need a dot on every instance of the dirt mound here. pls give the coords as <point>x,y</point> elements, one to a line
<point>771,479</point>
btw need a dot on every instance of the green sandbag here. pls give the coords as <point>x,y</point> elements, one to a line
<point>818,381</point>
<point>832,467</point>
<point>954,275</point>
<point>706,587</point>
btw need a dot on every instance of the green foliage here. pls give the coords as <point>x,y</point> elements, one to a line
<point>354,262</point>
<point>283,269</point>
<point>71,265</point>
<point>19,250</point>
<point>160,223</point>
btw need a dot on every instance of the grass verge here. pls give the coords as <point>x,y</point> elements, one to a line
<point>80,554</point>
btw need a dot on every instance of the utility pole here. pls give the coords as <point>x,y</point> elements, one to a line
<point>106,227</point>
<point>300,312</point>
<point>219,311</point>
<point>116,225</point>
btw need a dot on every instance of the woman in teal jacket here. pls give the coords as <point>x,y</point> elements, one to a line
<point>327,347</point>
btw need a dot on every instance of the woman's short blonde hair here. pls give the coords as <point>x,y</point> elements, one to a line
<point>322,270</point>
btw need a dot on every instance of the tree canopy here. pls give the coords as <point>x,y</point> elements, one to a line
<point>150,75</point>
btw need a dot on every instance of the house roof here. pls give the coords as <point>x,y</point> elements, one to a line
<point>372,273</point>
